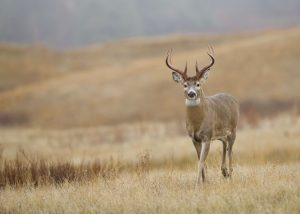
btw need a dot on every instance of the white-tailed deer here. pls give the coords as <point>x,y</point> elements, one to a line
<point>208,118</point>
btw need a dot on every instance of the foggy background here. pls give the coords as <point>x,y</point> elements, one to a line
<point>74,23</point>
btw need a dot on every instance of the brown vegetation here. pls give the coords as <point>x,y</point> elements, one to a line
<point>36,172</point>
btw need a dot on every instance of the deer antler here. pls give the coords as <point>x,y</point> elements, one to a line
<point>168,62</point>
<point>211,53</point>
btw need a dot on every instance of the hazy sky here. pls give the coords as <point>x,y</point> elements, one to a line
<point>72,23</point>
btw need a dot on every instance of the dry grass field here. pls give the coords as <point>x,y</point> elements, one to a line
<point>101,129</point>
<point>148,168</point>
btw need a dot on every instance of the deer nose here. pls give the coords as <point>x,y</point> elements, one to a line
<point>191,94</point>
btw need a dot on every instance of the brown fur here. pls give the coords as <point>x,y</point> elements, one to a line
<point>215,116</point>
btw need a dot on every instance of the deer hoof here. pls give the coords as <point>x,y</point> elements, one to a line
<point>225,172</point>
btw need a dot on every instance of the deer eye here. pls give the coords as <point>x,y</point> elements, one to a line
<point>185,85</point>
<point>198,84</point>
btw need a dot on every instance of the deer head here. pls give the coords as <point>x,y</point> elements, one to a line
<point>192,85</point>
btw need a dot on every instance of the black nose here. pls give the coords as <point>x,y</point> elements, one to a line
<point>191,94</point>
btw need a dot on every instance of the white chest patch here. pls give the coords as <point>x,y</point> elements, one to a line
<point>189,102</point>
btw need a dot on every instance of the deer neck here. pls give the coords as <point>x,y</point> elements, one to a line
<point>195,114</point>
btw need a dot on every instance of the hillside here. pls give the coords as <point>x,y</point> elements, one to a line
<point>127,81</point>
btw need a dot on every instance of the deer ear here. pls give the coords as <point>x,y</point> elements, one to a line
<point>177,77</point>
<point>204,76</point>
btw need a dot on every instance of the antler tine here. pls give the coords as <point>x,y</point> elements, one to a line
<point>211,54</point>
<point>169,54</point>
<point>211,51</point>
<point>168,63</point>
<point>185,68</point>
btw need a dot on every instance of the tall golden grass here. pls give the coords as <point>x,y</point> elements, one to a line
<point>149,170</point>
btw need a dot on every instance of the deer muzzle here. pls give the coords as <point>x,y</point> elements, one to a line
<point>191,94</point>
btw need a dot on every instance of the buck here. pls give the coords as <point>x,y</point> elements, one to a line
<point>208,118</point>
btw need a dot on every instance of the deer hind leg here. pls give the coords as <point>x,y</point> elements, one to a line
<point>201,165</point>
<point>223,165</point>
<point>229,152</point>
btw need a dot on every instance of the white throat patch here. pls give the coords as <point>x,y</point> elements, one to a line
<point>189,102</point>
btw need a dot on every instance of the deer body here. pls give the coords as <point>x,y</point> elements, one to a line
<point>213,119</point>
<point>208,118</point>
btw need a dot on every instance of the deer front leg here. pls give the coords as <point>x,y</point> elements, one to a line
<point>201,165</point>
<point>198,146</point>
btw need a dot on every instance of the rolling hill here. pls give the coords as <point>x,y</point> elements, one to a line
<point>127,80</point>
